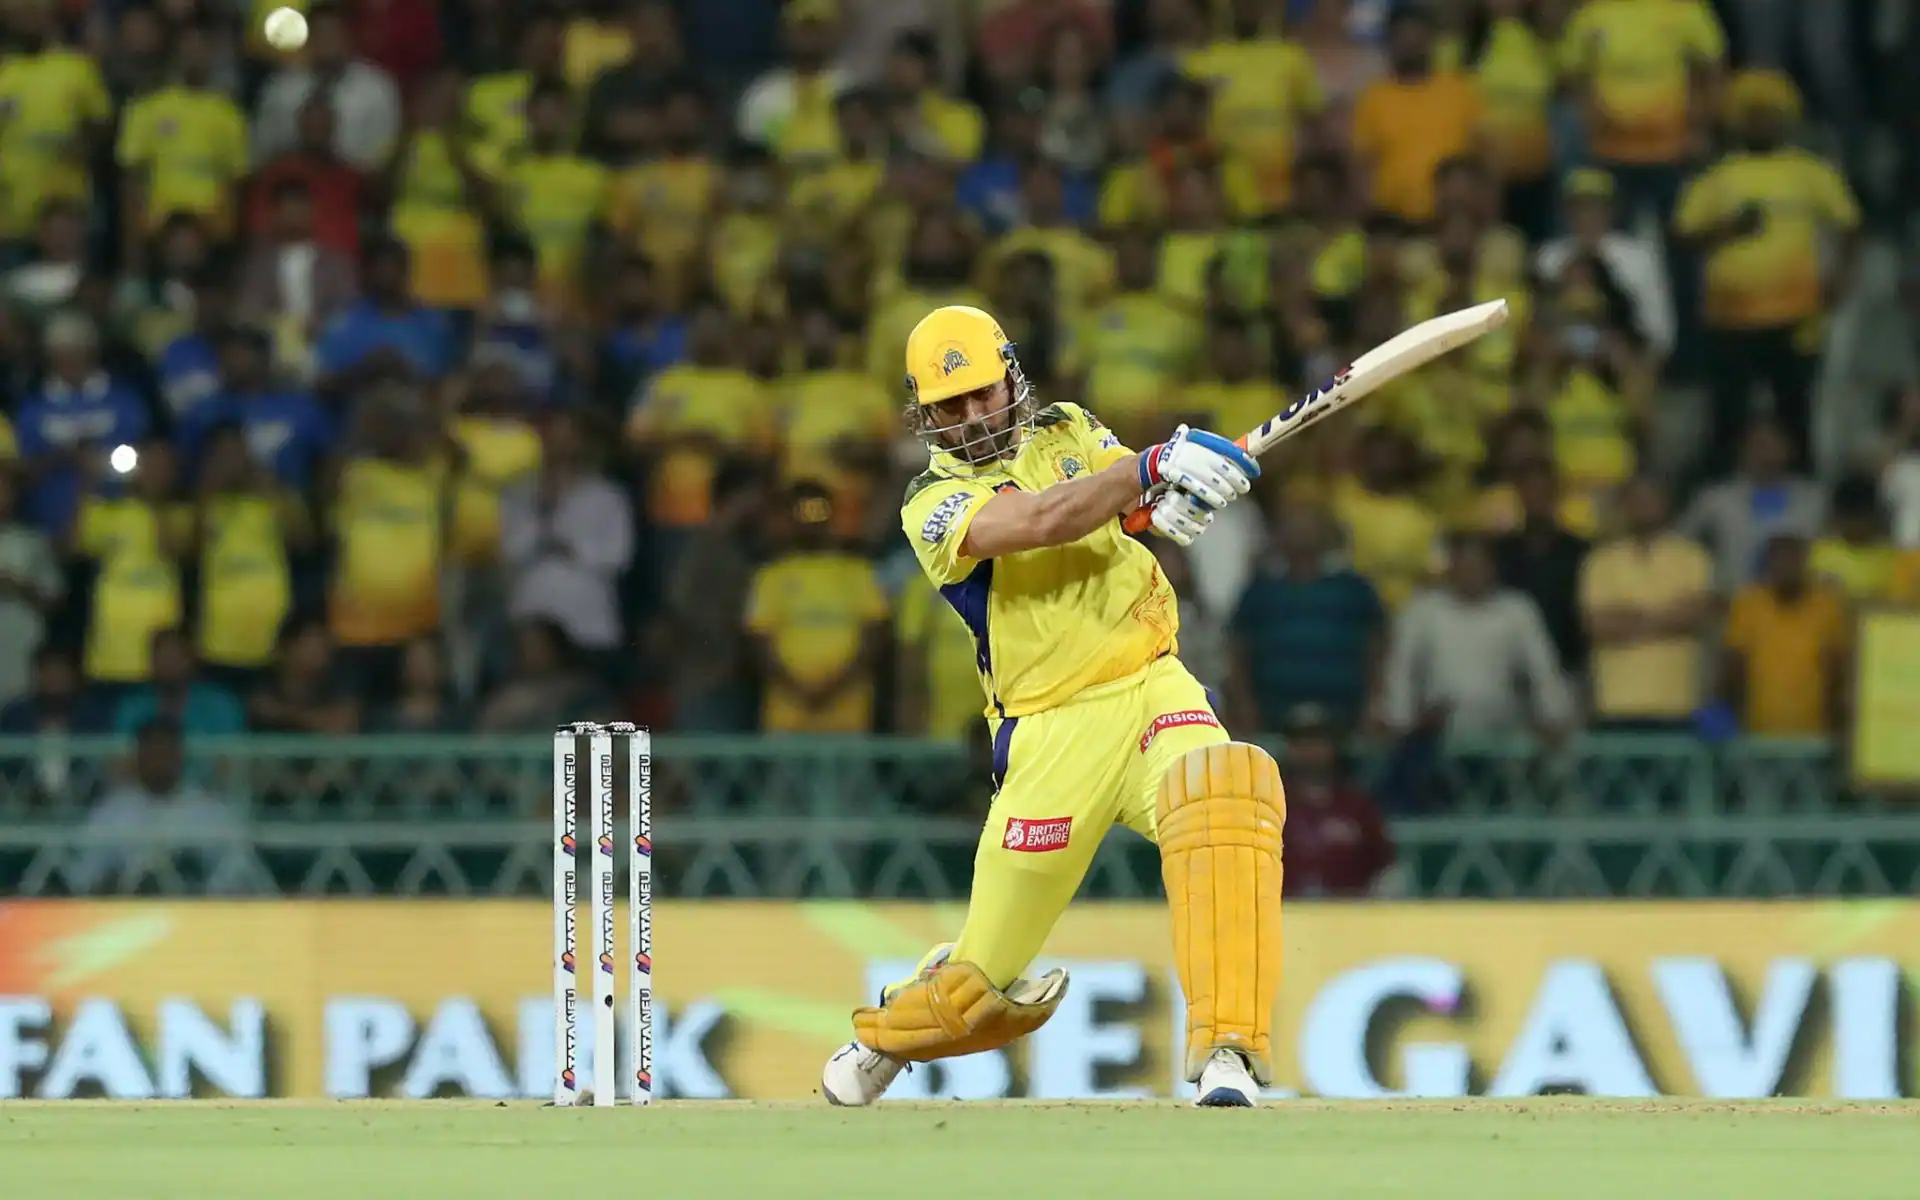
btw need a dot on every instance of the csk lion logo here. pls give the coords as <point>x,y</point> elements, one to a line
<point>953,361</point>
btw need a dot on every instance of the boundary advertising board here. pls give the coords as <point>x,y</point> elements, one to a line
<point>431,998</point>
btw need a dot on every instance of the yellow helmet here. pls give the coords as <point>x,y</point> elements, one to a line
<point>953,351</point>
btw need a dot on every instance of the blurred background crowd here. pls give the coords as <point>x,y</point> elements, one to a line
<point>486,365</point>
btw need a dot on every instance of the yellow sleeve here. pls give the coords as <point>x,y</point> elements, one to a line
<point>969,131</point>
<point>1577,43</point>
<point>936,516</point>
<point>1835,198</point>
<point>1700,205</point>
<point>134,149</point>
<point>602,191</point>
<point>95,103</point>
<point>763,600</point>
<point>96,528</point>
<point>1120,200</point>
<point>1704,35</point>
<point>1099,442</point>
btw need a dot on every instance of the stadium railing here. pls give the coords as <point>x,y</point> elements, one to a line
<point>1626,816</point>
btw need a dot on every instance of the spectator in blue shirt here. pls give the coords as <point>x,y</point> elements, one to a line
<point>514,328</point>
<point>286,428</point>
<point>991,188</point>
<point>1309,629</point>
<point>189,368</point>
<point>80,409</point>
<point>642,340</point>
<point>386,332</point>
<point>201,709</point>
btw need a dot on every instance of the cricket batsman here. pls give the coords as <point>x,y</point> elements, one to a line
<point>1017,521</point>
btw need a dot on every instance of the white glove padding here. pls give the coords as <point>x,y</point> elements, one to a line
<point>1206,466</point>
<point>1181,517</point>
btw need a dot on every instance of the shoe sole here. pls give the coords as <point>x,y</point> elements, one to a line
<point>1221,1097</point>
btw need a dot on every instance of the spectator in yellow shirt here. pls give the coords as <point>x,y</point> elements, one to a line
<point>1644,598</point>
<point>663,204</point>
<point>244,526</point>
<point>1407,124</point>
<point>1759,214</point>
<point>1785,670</point>
<point>1266,100</point>
<point>1138,344</point>
<point>1514,68</point>
<point>1643,72</point>
<point>1855,554</point>
<point>818,618</point>
<point>557,198</point>
<point>692,417</point>
<point>1393,538</point>
<point>182,148</point>
<point>56,109</point>
<point>132,526</point>
<point>924,119</point>
<point>393,507</point>
<point>498,104</point>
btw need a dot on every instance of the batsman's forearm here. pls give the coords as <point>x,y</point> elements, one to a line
<point>1066,512</point>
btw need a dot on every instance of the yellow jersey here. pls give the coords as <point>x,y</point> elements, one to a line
<point>389,521</point>
<point>662,207</point>
<point>1047,624</point>
<point>436,218</point>
<point>192,145</point>
<point>137,593</point>
<point>814,609</point>
<point>1639,56</point>
<point>1262,89</point>
<point>46,102</point>
<point>246,588</point>
<point>1772,278</point>
<point>558,199</point>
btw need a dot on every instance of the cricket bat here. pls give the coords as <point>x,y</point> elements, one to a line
<point>1398,355</point>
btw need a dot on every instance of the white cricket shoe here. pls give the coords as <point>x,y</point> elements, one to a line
<point>1225,1082</point>
<point>856,1076</point>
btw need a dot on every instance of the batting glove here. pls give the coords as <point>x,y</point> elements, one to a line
<point>1180,517</point>
<point>1206,466</point>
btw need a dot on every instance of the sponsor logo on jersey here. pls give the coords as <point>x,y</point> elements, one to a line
<point>1030,835</point>
<point>940,521</point>
<point>1173,720</point>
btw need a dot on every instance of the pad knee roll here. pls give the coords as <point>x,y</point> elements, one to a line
<point>953,1009</point>
<point>1221,811</point>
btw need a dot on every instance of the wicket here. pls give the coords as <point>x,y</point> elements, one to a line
<point>601,740</point>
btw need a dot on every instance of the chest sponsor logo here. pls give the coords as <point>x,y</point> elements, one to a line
<point>1037,836</point>
<point>1172,720</point>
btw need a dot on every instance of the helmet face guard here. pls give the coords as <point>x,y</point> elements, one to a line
<point>979,445</point>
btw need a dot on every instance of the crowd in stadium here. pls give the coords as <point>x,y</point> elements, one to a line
<point>491,365</point>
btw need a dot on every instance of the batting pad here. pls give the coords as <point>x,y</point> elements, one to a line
<point>1221,811</point>
<point>954,1010</point>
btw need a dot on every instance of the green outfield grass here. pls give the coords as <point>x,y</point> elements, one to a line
<point>461,1150</point>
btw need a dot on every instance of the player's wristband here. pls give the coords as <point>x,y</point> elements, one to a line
<point>1150,466</point>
